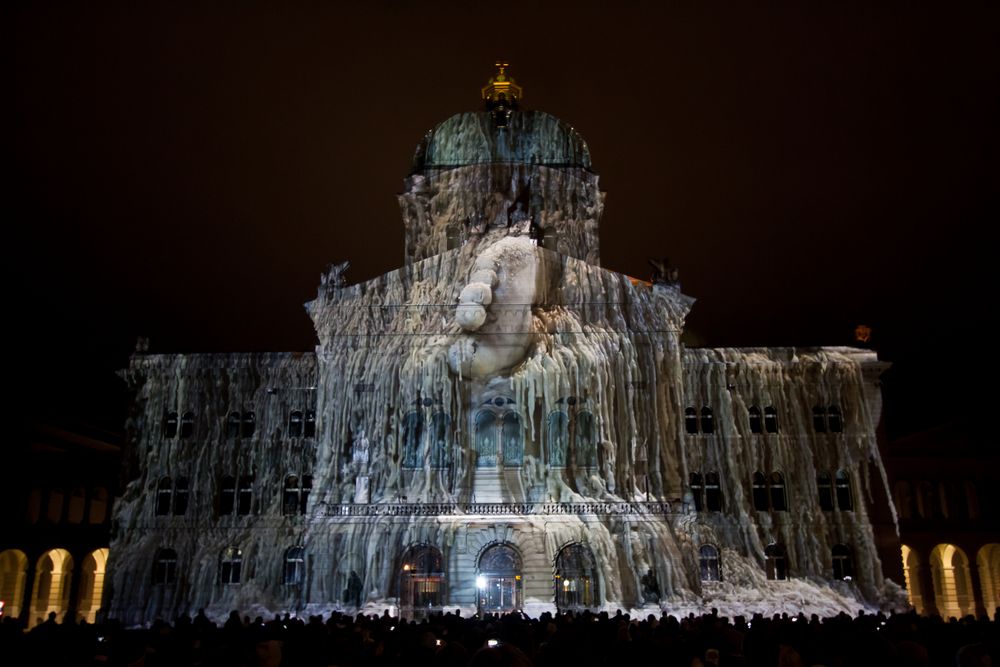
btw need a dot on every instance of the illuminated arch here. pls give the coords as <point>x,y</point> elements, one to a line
<point>988,562</point>
<point>911,574</point>
<point>576,579</point>
<point>13,569</point>
<point>50,592</point>
<point>421,580</point>
<point>498,579</point>
<point>92,584</point>
<point>952,582</point>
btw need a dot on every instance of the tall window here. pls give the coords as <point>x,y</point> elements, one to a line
<point>776,562</point>
<point>309,426</point>
<point>248,424</point>
<point>576,578</point>
<point>165,567</point>
<point>843,565</point>
<point>413,435</point>
<point>296,497</point>
<point>844,500</point>
<point>827,418</point>
<point>713,492</point>
<point>295,566</point>
<point>233,425</point>
<point>770,419</point>
<point>697,490</point>
<point>755,421</point>
<point>586,448</point>
<point>691,421</point>
<point>833,419</point>
<point>295,424</point>
<point>777,482</point>
<point>760,502</point>
<point>187,425</point>
<point>227,495</point>
<point>164,496</point>
<point>558,438</point>
<point>230,566</point>
<point>819,419</point>
<point>825,488</point>
<point>421,578</point>
<point>244,495</point>
<point>180,496</point>
<point>707,420</point>
<point>708,562</point>
<point>513,441</point>
<point>170,425</point>
<point>441,440</point>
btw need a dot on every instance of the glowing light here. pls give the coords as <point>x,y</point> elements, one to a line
<point>480,582</point>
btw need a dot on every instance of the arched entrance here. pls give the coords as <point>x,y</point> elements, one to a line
<point>13,568</point>
<point>421,579</point>
<point>499,439</point>
<point>50,592</point>
<point>499,579</point>
<point>92,584</point>
<point>952,584</point>
<point>911,573</point>
<point>576,585</point>
<point>988,561</point>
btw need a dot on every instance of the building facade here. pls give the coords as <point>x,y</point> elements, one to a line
<point>500,424</point>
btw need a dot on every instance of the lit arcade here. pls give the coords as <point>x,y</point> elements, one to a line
<point>500,424</point>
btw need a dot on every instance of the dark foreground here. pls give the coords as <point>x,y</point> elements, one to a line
<point>581,640</point>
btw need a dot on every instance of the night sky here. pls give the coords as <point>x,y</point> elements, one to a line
<point>186,172</point>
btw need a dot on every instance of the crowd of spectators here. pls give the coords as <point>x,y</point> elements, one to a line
<point>583,639</point>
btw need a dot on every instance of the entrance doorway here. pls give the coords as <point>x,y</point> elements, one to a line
<point>499,580</point>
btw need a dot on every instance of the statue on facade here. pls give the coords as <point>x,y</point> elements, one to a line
<point>663,273</point>
<point>335,275</point>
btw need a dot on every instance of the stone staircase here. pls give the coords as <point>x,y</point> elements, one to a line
<point>487,485</point>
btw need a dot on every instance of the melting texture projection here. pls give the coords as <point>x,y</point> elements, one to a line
<point>500,424</point>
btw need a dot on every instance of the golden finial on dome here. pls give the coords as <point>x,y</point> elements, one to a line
<point>501,87</point>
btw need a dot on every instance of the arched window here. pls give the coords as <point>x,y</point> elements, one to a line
<point>98,505</point>
<point>760,492</point>
<point>296,496</point>
<point>904,499</point>
<point>576,578</point>
<point>244,495</point>
<point>844,499</point>
<point>708,563</point>
<point>34,509</point>
<point>295,424</point>
<point>486,435</point>
<point>57,498</point>
<point>165,567</point>
<point>777,482</point>
<point>187,425</point>
<point>833,420</point>
<point>513,443</point>
<point>52,586</point>
<point>309,427</point>
<point>499,579</point>
<point>421,578</point>
<point>825,488</point>
<point>230,566</point>
<point>180,496</point>
<point>558,438</point>
<point>227,495</point>
<point>707,421</point>
<point>13,571</point>
<point>170,425</point>
<point>713,492</point>
<point>972,504</point>
<point>819,419</point>
<point>295,566</point>
<point>770,420</point>
<point>755,422</point>
<point>413,435</point>
<point>697,490</point>
<point>233,425</point>
<point>691,420</point>
<point>586,450</point>
<point>776,562</point>
<point>164,496</point>
<point>927,505</point>
<point>248,425</point>
<point>843,564</point>
<point>91,590</point>
<point>441,440</point>
<point>77,501</point>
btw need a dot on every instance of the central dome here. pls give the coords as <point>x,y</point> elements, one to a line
<point>528,137</point>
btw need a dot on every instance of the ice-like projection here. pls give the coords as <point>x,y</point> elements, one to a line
<point>500,424</point>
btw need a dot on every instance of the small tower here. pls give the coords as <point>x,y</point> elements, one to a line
<point>501,95</point>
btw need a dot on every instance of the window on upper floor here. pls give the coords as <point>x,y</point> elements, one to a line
<point>231,566</point>
<point>233,425</point>
<point>845,500</point>
<point>691,420</point>
<point>756,425</point>
<point>777,484</point>
<point>776,562</point>
<point>295,566</point>
<point>244,496</point>
<point>165,567</point>
<point>708,563</point>
<point>248,424</point>
<point>296,498</point>
<point>309,426</point>
<point>825,489</point>
<point>696,482</point>
<point>768,492</point>
<point>170,425</point>
<point>713,492</point>
<point>827,418</point>
<point>295,424</point>
<point>227,495</point>
<point>843,564</point>
<point>833,420</point>
<point>187,425</point>
<point>707,420</point>
<point>164,496</point>
<point>770,419</point>
<point>180,496</point>
<point>760,502</point>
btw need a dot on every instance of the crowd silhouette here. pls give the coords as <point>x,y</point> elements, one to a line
<point>447,639</point>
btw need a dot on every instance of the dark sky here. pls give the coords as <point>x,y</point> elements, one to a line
<point>186,172</point>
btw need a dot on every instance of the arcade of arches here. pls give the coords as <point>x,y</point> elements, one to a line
<point>944,580</point>
<point>53,583</point>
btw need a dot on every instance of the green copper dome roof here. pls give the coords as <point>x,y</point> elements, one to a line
<point>530,137</point>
